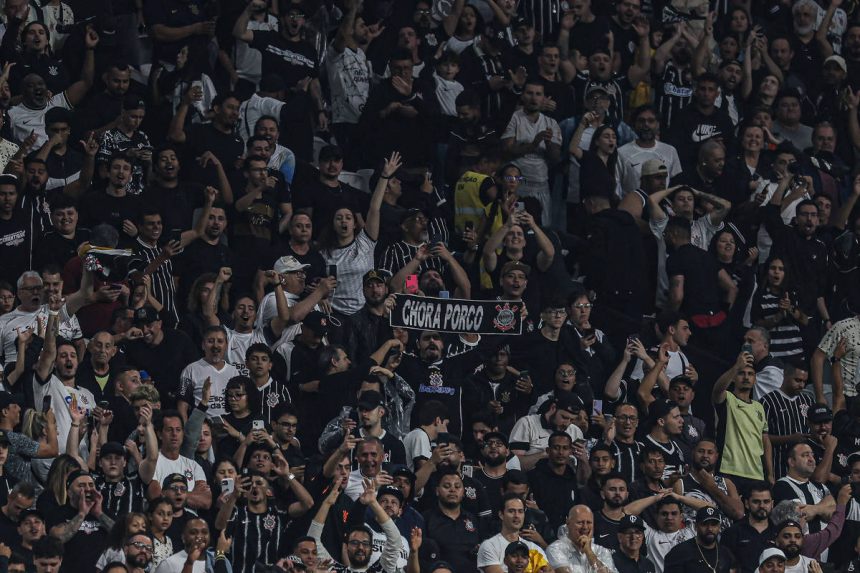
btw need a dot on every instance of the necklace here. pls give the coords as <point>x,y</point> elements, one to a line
<point>707,563</point>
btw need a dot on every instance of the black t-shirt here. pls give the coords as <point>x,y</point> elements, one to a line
<point>53,248</point>
<point>227,147</point>
<point>176,205</point>
<point>16,246</point>
<point>458,539</point>
<point>83,550</point>
<point>99,207</point>
<point>293,61</point>
<point>687,557</point>
<point>176,14</point>
<point>701,285</point>
<point>690,128</point>
<point>325,200</point>
<point>164,362</point>
<point>586,36</point>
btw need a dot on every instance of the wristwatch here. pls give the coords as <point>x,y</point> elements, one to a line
<point>291,476</point>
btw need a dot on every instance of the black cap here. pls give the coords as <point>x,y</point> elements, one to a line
<point>4,438</point>
<point>172,479</point>
<point>390,490</point>
<point>146,315</point>
<point>681,379</point>
<point>788,523</point>
<point>317,322</point>
<point>410,213</point>
<point>405,472</point>
<point>707,514</point>
<point>820,413</point>
<point>112,448</point>
<point>441,565</point>
<point>496,436</point>
<point>568,401</point>
<point>631,522</point>
<point>519,21</point>
<point>30,511</point>
<point>58,115</point>
<point>516,548</point>
<point>380,275</point>
<point>370,399</point>
<point>8,179</point>
<point>330,152</point>
<point>7,398</point>
<point>133,101</point>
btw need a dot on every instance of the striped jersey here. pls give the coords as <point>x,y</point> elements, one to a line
<point>785,338</point>
<point>163,287</point>
<point>257,537</point>
<point>786,415</point>
<point>124,496</point>
<point>545,15</point>
<point>627,459</point>
<point>272,395</point>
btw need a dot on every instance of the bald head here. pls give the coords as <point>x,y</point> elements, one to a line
<point>580,522</point>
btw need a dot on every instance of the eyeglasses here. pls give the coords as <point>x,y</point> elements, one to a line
<point>567,372</point>
<point>494,444</point>
<point>627,418</point>
<point>141,545</point>
<point>556,311</point>
<point>287,424</point>
<point>178,489</point>
<point>357,543</point>
<point>235,396</point>
<point>583,305</point>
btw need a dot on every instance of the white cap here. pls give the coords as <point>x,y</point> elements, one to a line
<point>770,553</point>
<point>287,264</point>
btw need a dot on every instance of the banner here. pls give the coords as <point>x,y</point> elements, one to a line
<point>460,316</point>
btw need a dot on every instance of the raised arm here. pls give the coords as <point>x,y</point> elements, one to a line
<point>147,466</point>
<point>45,364</point>
<point>702,55</point>
<point>76,92</point>
<point>494,242</point>
<point>449,24</point>
<point>586,121</point>
<point>821,34</point>
<point>644,394</point>
<point>547,250</point>
<point>392,164</point>
<point>462,284</point>
<point>718,394</point>
<point>641,69</point>
<point>840,219</point>
<point>240,27</point>
<point>721,206</point>
<point>304,501</point>
<point>344,38</point>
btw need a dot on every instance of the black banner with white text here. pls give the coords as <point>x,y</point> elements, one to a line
<point>454,315</point>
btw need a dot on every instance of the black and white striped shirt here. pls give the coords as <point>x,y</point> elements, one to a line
<point>671,453</point>
<point>272,395</point>
<point>785,415</point>
<point>257,537</point>
<point>545,15</point>
<point>124,496</point>
<point>785,338</point>
<point>163,287</point>
<point>399,254</point>
<point>674,91</point>
<point>627,459</point>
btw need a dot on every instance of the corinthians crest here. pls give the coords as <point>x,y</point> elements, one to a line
<point>506,318</point>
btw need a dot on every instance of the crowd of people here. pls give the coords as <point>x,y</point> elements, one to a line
<point>210,213</point>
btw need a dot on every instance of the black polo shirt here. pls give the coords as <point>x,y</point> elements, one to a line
<point>458,539</point>
<point>746,543</point>
<point>626,565</point>
<point>688,557</point>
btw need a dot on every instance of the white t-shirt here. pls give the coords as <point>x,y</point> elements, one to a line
<point>529,430</point>
<point>181,465</point>
<point>17,320</point>
<point>349,75</point>
<point>633,156</point>
<point>352,262</point>
<point>61,397</point>
<point>253,109</point>
<point>195,374</point>
<point>24,120</point>
<point>418,446</point>
<point>533,165</point>
<point>659,544</point>
<point>176,563</point>
<point>237,346</point>
<point>492,551</point>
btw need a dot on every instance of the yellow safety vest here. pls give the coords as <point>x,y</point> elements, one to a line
<point>467,201</point>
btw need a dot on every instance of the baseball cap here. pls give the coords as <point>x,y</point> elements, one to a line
<point>369,400</point>
<point>519,21</point>
<point>788,523</point>
<point>112,448</point>
<point>288,264</point>
<point>58,115</point>
<point>173,479</point>
<point>8,398</point>
<point>594,88</point>
<point>133,101</point>
<point>405,472</point>
<point>731,62</point>
<point>380,275</point>
<point>568,401</point>
<point>631,522</point>
<point>770,553</point>
<point>8,179</point>
<point>681,379</point>
<point>441,565</point>
<point>410,214</point>
<point>30,511</point>
<point>516,548</point>
<point>820,413</point>
<point>329,151</point>
<point>654,167</point>
<point>317,322</point>
<point>839,60</point>
<point>512,266</point>
<point>4,438</point>
<point>146,315</point>
<point>390,490</point>
<point>707,514</point>
<point>496,436</point>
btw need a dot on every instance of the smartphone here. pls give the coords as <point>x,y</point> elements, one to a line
<point>597,407</point>
<point>434,240</point>
<point>46,403</point>
<point>331,271</point>
<point>587,332</point>
<point>469,225</point>
<point>523,374</point>
<point>227,485</point>
<point>217,420</point>
<point>631,339</point>
<point>115,286</point>
<point>444,294</point>
<point>519,206</point>
<point>244,472</point>
<point>258,425</point>
<point>412,284</point>
<point>747,347</point>
<point>104,405</point>
<point>175,235</point>
<point>144,376</point>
